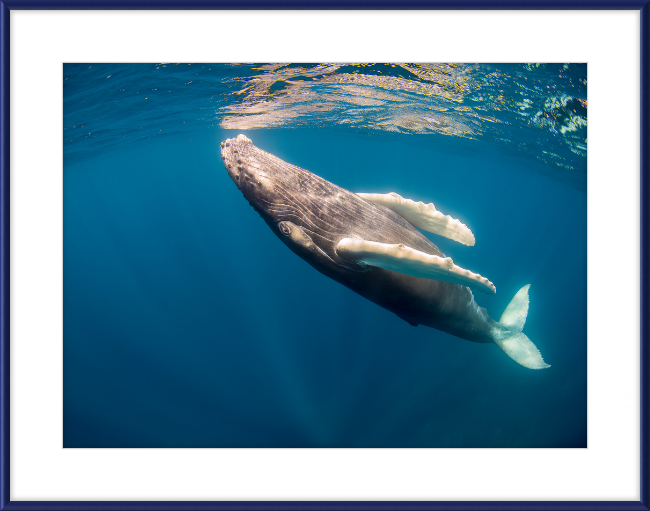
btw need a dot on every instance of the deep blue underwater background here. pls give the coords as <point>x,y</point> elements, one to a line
<point>187,323</point>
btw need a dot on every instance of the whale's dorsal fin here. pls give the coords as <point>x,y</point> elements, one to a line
<point>409,321</point>
<point>423,216</point>
<point>406,260</point>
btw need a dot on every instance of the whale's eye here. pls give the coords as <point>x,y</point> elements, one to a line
<point>284,228</point>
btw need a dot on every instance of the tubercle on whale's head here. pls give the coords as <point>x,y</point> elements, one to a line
<point>233,159</point>
<point>240,158</point>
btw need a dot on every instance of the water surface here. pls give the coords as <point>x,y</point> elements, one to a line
<point>187,323</point>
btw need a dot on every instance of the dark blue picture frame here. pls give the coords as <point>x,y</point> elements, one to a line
<point>6,6</point>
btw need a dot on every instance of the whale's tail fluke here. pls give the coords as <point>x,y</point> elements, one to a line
<point>508,334</point>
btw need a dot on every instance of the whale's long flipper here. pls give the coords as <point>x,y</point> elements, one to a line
<point>508,336</point>
<point>424,216</point>
<point>406,260</point>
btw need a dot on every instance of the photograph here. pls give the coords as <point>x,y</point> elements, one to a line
<point>325,255</point>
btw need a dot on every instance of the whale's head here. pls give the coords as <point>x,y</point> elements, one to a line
<point>235,156</point>
<point>272,186</point>
<point>248,169</point>
<point>301,208</point>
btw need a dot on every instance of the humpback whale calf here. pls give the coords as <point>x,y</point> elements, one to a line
<point>370,243</point>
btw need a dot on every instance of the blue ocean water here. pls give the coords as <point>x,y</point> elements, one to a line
<point>187,323</point>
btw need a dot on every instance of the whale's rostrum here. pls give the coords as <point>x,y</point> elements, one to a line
<point>370,244</point>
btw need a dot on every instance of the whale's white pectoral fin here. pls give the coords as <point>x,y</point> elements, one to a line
<point>402,259</point>
<point>424,216</point>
